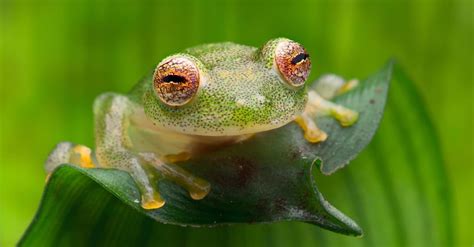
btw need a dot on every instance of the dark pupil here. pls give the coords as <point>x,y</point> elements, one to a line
<point>298,58</point>
<point>174,78</point>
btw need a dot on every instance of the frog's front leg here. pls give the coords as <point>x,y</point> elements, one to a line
<point>146,181</point>
<point>319,105</point>
<point>198,188</point>
<point>115,150</point>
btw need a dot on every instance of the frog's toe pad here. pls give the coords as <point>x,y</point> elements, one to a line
<point>315,136</point>
<point>154,202</point>
<point>200,189</point>
<point>82,156</point>
<point>346,117</point>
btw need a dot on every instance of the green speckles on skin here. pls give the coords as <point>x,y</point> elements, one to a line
<point>239,94</point>
<point>220,54</point>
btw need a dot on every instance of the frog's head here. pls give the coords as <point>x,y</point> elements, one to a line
<point>229,89</point>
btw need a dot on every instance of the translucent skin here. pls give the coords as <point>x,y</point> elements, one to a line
<point>220,94</point>
<point>240,93</point>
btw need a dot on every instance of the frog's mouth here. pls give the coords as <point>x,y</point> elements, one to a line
<point>216,129</point>
<point>237,130</point>
<point>256,128</point>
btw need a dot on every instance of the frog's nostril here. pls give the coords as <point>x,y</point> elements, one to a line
<point>174,78</point>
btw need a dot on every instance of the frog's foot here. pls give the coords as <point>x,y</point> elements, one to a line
<point>82,156</point>
<point>146,181</point>
<point>318,106</point>
<point>329,86</point>
<point>311,132</point>
<point>69,153</point>
<point>197,187</point>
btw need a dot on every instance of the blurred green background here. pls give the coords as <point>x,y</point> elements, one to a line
<point>57,56</point>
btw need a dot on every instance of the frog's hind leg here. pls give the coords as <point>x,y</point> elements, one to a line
<point>69,153</point>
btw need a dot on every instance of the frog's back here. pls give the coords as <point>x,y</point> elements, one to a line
<point>217,54</point>
<point>211,55</point>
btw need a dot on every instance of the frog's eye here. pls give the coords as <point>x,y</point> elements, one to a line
<point>176,80</point>
<point>293,62</point>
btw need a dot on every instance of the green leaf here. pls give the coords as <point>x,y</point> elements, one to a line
<point>269,178</point>
<point>398,188</point>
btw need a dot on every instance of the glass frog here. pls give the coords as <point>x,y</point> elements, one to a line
<point>199,100</point>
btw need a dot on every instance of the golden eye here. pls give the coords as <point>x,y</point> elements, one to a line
<point>176,80</point>
<point>293,62</point>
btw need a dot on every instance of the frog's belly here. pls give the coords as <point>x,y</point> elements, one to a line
<point>163,143</point>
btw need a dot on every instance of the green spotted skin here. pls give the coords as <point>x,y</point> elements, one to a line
<point>240,93</point>
<point>195,102</point>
